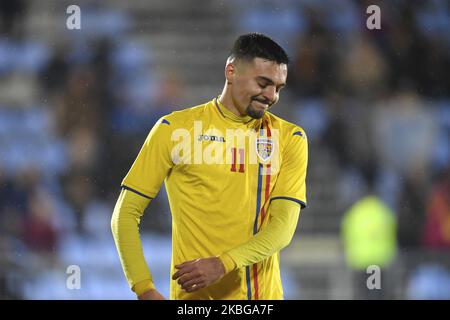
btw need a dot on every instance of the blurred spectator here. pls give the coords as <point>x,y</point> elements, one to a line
<point>338,133</point>
<point>79,191</point>
<point>83,149</point>
<point>415,60</point>
<point>55,74</point>
<point>313,66</point>
<point>363,69</point>
<point>76,106</point>
<point>404,129</point>
<point>441,152</point>
<point>437,224</point>
<point>411,212</point>
<point>368,231</point>
<point>39,232</point>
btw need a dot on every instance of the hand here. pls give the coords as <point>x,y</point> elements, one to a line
<point>196,274</point>
<point>151,294</point>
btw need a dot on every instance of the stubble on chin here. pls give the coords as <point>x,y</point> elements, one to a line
<point>254,113</point>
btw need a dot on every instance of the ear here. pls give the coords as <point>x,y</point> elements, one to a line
<point>230,72</point>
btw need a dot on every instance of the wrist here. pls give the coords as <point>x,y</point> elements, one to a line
<point>227,262</point>
<point>143,286</point>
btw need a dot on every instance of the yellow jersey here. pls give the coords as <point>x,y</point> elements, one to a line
<point>221,171</point>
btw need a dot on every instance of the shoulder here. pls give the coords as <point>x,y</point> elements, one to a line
<point>288,130</point>
<point>184,116</point>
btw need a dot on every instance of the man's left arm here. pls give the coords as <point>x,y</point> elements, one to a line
<point>200,273</point>
<point>288,195</point>
<point>278,233</point>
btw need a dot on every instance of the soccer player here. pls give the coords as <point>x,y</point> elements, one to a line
<point>235,179</point>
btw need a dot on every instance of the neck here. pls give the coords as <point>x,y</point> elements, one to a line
<point>227,101</point>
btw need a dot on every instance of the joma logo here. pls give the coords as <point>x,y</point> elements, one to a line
<point>205,137</point>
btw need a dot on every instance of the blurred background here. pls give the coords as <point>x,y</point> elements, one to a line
<point>76,106</point>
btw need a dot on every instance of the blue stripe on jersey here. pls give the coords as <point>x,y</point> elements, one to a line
<point>165,121</point>
<point>255,225</point>
<point>249,286</point>
<point>258,195</point>
<point>302,204</point>
<point>258,199</point>
<point>135,191</point>
<point>298,133</point>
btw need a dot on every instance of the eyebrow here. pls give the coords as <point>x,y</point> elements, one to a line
<point>270,81</point>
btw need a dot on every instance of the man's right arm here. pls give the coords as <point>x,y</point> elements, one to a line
<point>140,185</point>
<point>125,228</point>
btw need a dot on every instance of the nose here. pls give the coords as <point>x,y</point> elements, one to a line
<point>270,94</point>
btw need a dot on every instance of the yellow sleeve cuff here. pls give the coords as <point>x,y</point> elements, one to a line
<point>143,286</point>
<point>228,262</point>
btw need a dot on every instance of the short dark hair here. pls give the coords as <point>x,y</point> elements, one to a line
<point>256,45</point>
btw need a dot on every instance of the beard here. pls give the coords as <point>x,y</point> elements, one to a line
<point>256,113</point>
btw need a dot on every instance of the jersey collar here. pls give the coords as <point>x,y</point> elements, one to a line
<point>230,115</point>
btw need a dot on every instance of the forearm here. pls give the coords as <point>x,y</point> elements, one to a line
<point>277,235</point>
<point>125,228</point>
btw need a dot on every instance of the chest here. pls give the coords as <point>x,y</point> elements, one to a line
<point>224,158</point>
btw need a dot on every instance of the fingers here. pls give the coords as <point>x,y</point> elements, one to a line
<point>193,286</point>
<point>183,269</point>
<point>187,277</point>
<point>193,275</point>
<point>192,281</point>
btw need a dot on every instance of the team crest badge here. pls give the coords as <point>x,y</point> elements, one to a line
<point>264,148</point>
